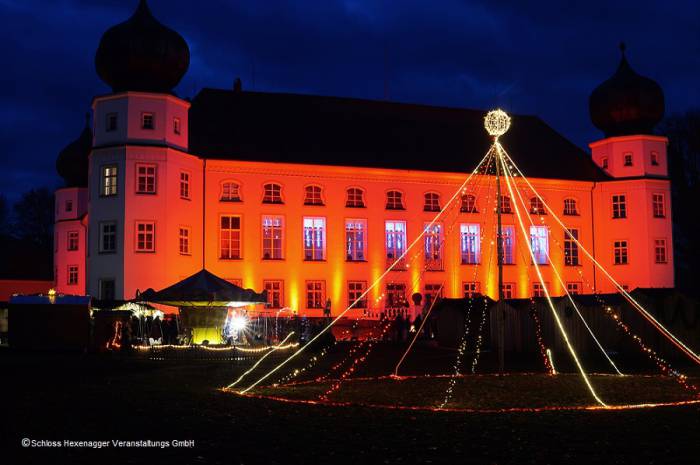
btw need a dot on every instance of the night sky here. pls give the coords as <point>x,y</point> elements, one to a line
<point>541,58</point>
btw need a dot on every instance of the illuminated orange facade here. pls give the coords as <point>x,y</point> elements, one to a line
<point>157,208</point>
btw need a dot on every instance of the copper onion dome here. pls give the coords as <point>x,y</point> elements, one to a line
<point>141,54</point>
<point>72,162</point>
<point>627,103</point>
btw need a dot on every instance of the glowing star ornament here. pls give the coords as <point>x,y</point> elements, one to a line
<point>497,122</point>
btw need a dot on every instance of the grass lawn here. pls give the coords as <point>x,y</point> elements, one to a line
<point>93,397</point>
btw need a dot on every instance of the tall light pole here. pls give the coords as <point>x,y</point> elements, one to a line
<point>497,123</point>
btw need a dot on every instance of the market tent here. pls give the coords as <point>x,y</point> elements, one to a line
<point>203,289</point>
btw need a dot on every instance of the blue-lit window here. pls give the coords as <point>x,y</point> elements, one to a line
<point>314,239</point>
<point>395,240</point>
<point>355,240</point>
<point>539,241</point>
<point>470,243</point>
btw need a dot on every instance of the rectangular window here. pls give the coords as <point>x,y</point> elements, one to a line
<point>470,243</point>
<point>571,256</point>
<point>184,185</point>
<point>109,181</point>
<point>508,290</point>
<point>620,251</point>
<point>355,240</point>
<point>654,159</point>
<point>184,241</point>
<point>230,237</point>
<point>272,237</point>
<point>432,291</point>
<point>432,244</point>
<point>658,205</point>
<point>145,236</point>
<point>396,295</point>
<point>508,244</point>
<point>230,192</point>
<point>72,275</point>
<point>619,205</point>
<point>395,241</point>
<point>355,291</point>
<point>275,293</point>
<point>108,237</point>
<point>176,125</point>
<point>628,159</point>
<point>314,239</point>
<point>538,290</point>
<point>315,294</point>
<point>604,163</point>
<point>272,193</point>
<point>111,122</point>
<point>660,251</point>
<point>471,289</point>
<point>73,240</point>
<point>107,289</point>
<point>147,121</point>
<point>69,205</point>
<point>573,288</point>
<point>145,178</point>
<point>539,241</point>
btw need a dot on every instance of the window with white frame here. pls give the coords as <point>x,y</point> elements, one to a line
<point>147,121</point>
<point>432,245</point>
<point>508,244</point>
<point>395,295</point>
<point>468,204</point>
<point>539,241</point>
<point>272,237</point>
<point>108,237</point>
<point>72,275</point>
<point>73,240</point>
<point>184,240</point>
<point>471,288</point>
<point>145,178</point>
<point>620,252</point>
<point>315,294</point>
<point>660,251</point>
<point>145,236</point>
<point>573,288</point>
<point>470,243</point>
<point>570,207</point>
<point>355,240</point>
<point>312,195</point>
<point>184,185</point>
<point>658,205</point>
<point>230,192</point>
<point>272,193</point>
<point>538,289</point>
<point>571,255</point>
<point>394,200</point>
<point>355,198</point>
<point>108,186</point>
<point>505,204</point>
<point>230,237</point>
<point>537,206</point>
<point>275,293</point>
<point>432,202</point>
<point>395,240</point>
<point>355,291</point>
<point>508,290</point>
<point>314,239</point>
<point>619,206</point>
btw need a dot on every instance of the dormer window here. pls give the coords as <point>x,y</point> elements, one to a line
<point>628,159</point>
<point>176,126</point>
<point>147,121</point>
<point>111,122</point>
<point>654,159</point>
<point>604,163</point>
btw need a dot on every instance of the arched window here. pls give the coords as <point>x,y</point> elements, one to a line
<point>432,202</point>
<point>537,207</point>
<point>394,200</point>
<point>272,193</point>
<point>570,207</point>
<point>468,204</point>
<point>505,204</point>
<point>230,192</point>
<point>312,195</point>
<point>356,198</point>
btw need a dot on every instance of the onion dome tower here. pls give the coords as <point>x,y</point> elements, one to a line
<point>627,103</point>
<point>73,161</point>
<point>141,54</point>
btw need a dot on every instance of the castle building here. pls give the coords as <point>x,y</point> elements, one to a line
<point>312,197</point>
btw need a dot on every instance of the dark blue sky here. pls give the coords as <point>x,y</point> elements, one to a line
<point>540,58</point>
